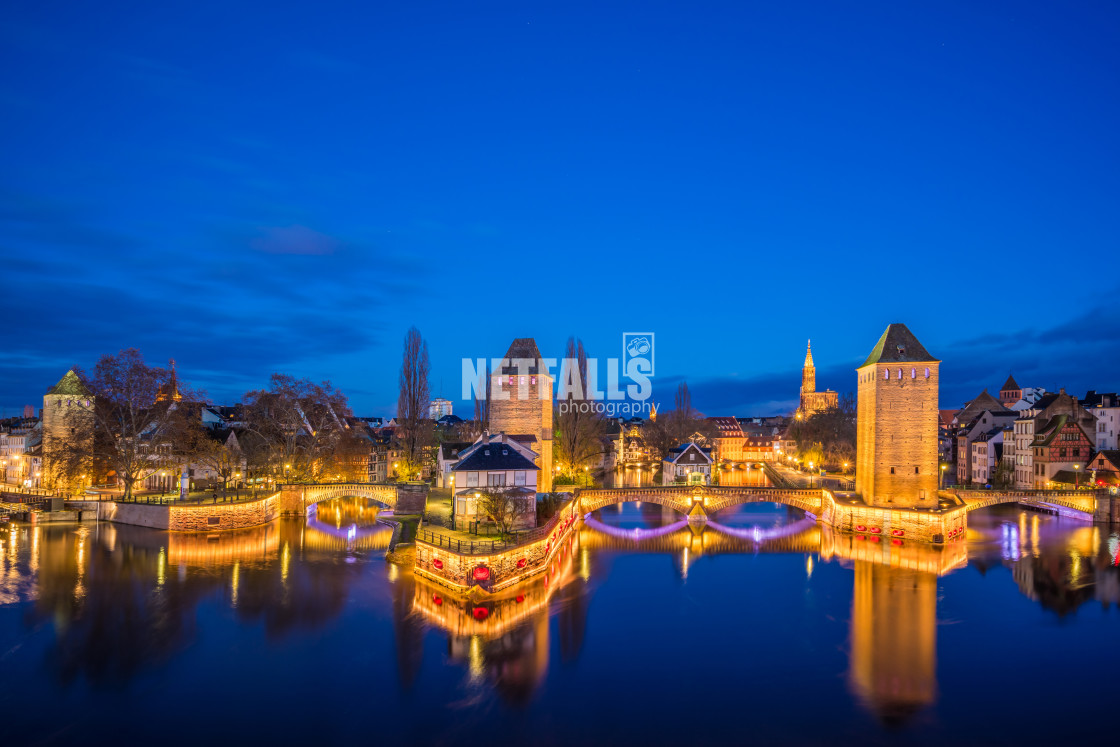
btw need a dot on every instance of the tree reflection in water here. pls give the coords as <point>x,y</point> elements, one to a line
<point>125,600</point>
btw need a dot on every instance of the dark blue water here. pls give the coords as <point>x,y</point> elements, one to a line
<point>305,633</point>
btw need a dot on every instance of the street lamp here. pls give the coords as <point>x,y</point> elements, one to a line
<point>1077,477</point>
<point>943,468</point>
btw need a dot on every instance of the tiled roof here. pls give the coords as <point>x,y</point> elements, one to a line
<point>522,347</point>
<point>1009,384</point>
<point>70,384</point>
<point>494,456</point>
<point>898,345</point>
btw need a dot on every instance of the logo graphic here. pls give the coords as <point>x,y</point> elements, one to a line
<point>637,353</point>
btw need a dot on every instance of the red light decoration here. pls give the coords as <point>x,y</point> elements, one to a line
<point>480,613</point>
<point>437,564</point>
<point>897,532</point>
<point>437,599</point>
<point>860,537</point>
<point>482,573</point>
<point>521,563</point>
<point>861,528</point>
<point>874,539</point>
<point>520,598</point>
<point>876,530</point>
<point>896,542</point>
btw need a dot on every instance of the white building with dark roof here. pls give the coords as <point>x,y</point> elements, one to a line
<point>687,463</point>
<point>494,463</point>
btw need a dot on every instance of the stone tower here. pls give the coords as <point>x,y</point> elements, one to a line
<point>896,423</point>
<point>524,405</point>
<point>67,412</point>
<point>808,372</point>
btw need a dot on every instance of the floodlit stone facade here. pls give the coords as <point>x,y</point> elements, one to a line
<point>813,401</point>
<point>521,403</point>
<point>896,423</point>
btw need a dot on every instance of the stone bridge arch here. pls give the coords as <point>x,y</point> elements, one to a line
<point>404,498</point>
<point>1080,503</point>
<point>708,498</point>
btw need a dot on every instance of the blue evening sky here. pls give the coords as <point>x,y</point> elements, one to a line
<point>252,187</point>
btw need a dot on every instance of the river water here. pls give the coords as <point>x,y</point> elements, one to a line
<point>763,628</point>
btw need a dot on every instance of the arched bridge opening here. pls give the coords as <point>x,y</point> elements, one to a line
<point>404,498</point>
<point>705,500</point>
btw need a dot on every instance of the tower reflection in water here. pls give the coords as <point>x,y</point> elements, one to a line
<point>121,601</point>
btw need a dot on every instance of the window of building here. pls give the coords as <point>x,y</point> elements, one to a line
<point>519,477</point>
<point>927,372</point>
<point>892,470</point>
<point>496,478</point>
<point>913,373</point>
<point>886,374</point>
<point>472,479</point>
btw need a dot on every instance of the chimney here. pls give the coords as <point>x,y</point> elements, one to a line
<point>1062,390</point>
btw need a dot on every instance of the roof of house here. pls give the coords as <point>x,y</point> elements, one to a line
<point>946,417</point>
<point>70,384</point>
<point>511,490</point>
<point>1112,456</point>
<point>450,450</point>
<point>493,456</point>
<point>676,453</point>
<point>728,427</point>
<point>1102,399</point>
<point>983,402</point>
<point>898,345</point>
<point>1010,384</point>
<point>1045,435</point>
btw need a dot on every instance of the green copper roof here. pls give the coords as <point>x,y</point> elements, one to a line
<point>70,384</point>
<point>898,345</point>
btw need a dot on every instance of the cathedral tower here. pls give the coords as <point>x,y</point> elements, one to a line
<point>808,372</point>
<point>896,423</point>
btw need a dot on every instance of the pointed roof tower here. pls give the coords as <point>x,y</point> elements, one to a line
<point>809,354</point>
<point>1010,384</point>
<point>898,345</point>
<point>169,390</point>
<point>70,384</point>
<point>522,347</point>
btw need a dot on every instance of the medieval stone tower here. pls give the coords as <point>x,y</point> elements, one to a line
<point>896,423</point>
<point>527,407</point>
<point>67,412</point>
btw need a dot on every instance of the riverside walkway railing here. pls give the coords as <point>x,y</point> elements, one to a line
<point>485,547</point>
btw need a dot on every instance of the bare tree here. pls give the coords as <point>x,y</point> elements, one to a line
<point>296,426</point>
<point>414,432</point>
<point>579,426</point>
<point>219,452</point>
<point>139,412</point>
<point>505,508</point>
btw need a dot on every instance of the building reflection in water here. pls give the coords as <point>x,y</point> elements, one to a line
<point>123,600</point>
<point>503,640</point>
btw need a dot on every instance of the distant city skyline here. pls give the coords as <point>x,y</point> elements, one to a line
<point>276,194</point>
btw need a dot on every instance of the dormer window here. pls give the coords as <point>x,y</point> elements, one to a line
<point>486,452</point>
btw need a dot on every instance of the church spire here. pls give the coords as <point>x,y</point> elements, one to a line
<point>808,372</point>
